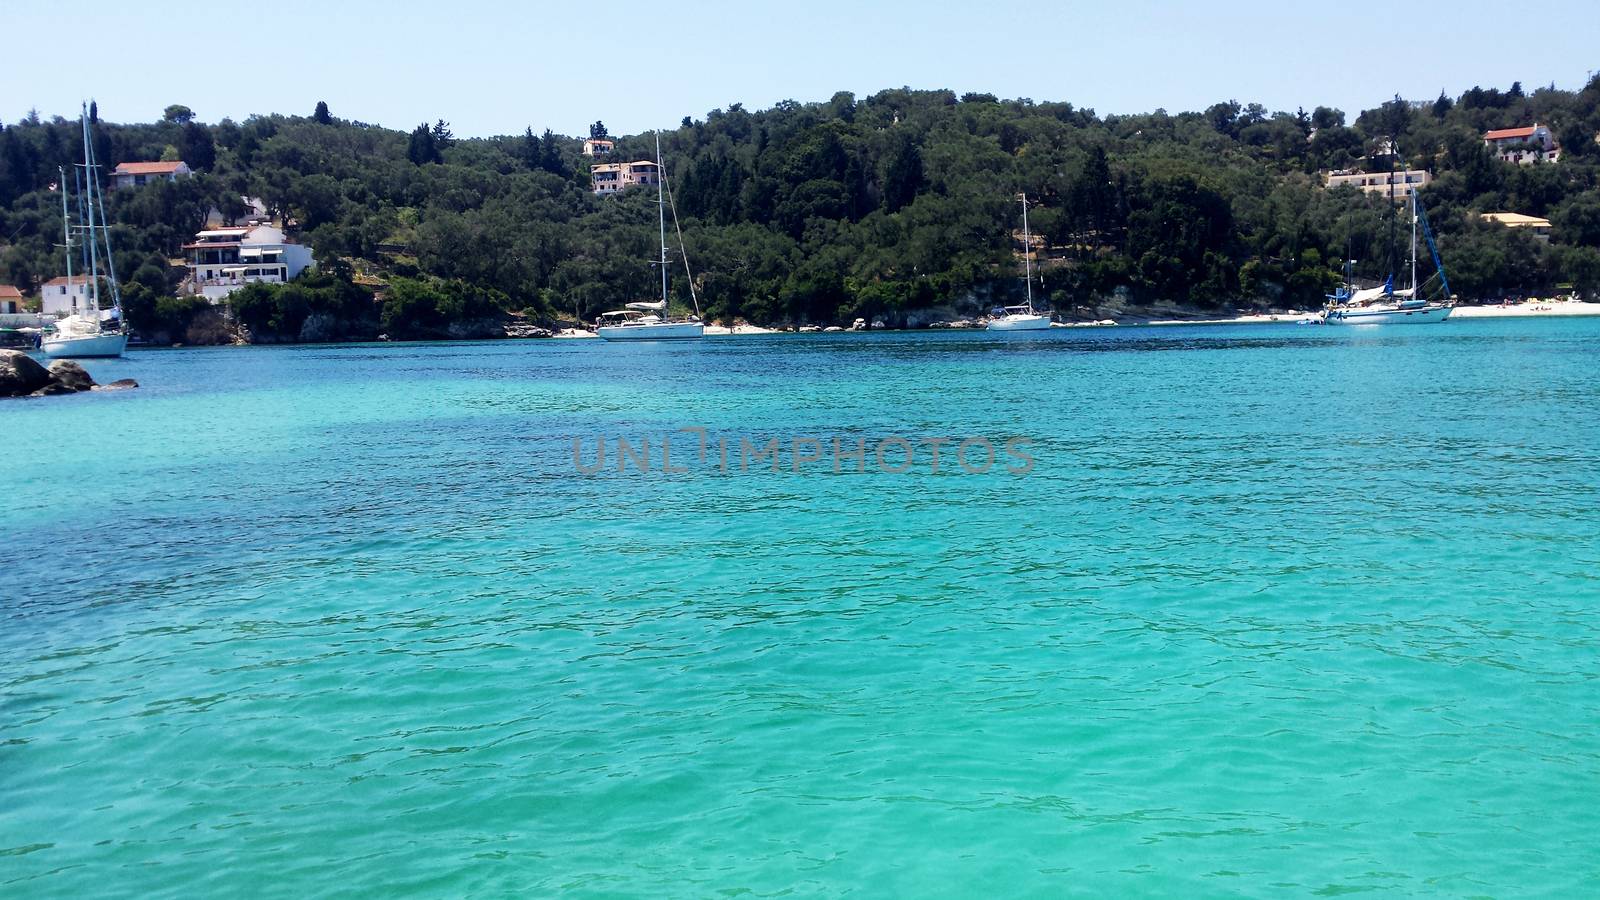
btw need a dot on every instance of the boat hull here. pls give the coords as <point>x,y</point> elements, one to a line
<point>1427,315</point>
<point>1019,323</point>
<point>657,331</point>
<point>90,346</point>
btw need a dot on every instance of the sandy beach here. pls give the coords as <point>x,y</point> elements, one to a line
<point>1290,317</point>
<point>1521,310</point>
<point>710,330</point>
<point>739,329</point>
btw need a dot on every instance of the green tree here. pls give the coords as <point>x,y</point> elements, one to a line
<point>1577,221</point>
<point>550,156</point>
<point>902,173</point>
<point>530,152</point>
<point>424,147</point>
<point>442,138</point>
<point>196,147</point>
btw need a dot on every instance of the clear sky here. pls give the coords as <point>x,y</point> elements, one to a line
<point>496,66</point>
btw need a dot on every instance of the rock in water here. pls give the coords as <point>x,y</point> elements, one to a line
<point>121,384</point>
<point>70,375</point>
<point>20,374</point>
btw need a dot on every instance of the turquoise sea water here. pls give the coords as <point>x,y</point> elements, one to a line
<point>1277,610</point>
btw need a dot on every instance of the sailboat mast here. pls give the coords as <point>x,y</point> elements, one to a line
<point>1413,242</point>
<point>661,209</point>
<point>84,245</point>
<point>1349,265</point>
<point>1392,256</point>
<point>87,209</point>
<point>105,224</point>
<point>66,225</point>
<point>1027,251</point>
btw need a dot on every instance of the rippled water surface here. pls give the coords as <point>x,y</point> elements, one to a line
<point>1277,610</point>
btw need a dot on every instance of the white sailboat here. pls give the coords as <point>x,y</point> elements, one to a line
<point>1025,317</point>
<point>648,321</point>
<point>1387,306</point>
<point>83,334</point>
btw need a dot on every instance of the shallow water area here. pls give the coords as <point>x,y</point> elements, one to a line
<point>1276,609</point>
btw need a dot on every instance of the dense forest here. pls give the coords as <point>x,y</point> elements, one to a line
<point>822,212</point>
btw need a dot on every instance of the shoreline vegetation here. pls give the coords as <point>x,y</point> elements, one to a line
<point>1135,317</point>
<point>895,208</point>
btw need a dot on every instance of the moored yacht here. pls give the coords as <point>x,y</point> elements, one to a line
<point>636,324</point>
<point>1019,318</point>
<point>649,321</point>
<point>1387,306</point>
<point>1025,317</point>
<point>85,334</point>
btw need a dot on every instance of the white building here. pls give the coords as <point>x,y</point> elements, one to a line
<point>10,300</point>
<point>135,174</point>
<point>1536,226</point>
<point>1405,181</point>
<point>222,260</point>
<point>1527,145</point>
<point>60,297</point>
<point>598,147</point>
<point>609,178</point>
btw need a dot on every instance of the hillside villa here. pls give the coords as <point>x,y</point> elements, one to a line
<point>222,260</point>
<point>136,174</point>
<point>609,178</point>
<point>1523,146</point>
<point>598,147</point>
<point>1405,181</point>
<point>1539,228</point>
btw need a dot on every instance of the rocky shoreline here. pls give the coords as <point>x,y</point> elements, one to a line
<point>22,376</point>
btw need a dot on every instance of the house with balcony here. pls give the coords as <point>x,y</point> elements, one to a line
<point>222,260</point>
<point>598,147</point>
<point>1523,146</point>
<point>609,178</point>
<point>138,174</point>
<point>1404,181</point>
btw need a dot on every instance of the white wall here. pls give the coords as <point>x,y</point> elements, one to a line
<point>298,258</point>
<point>56,303</point>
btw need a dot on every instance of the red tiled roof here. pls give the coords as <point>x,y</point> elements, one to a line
<point>61,280</point>
<point>1501,134</point>
<point>148,168</point>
